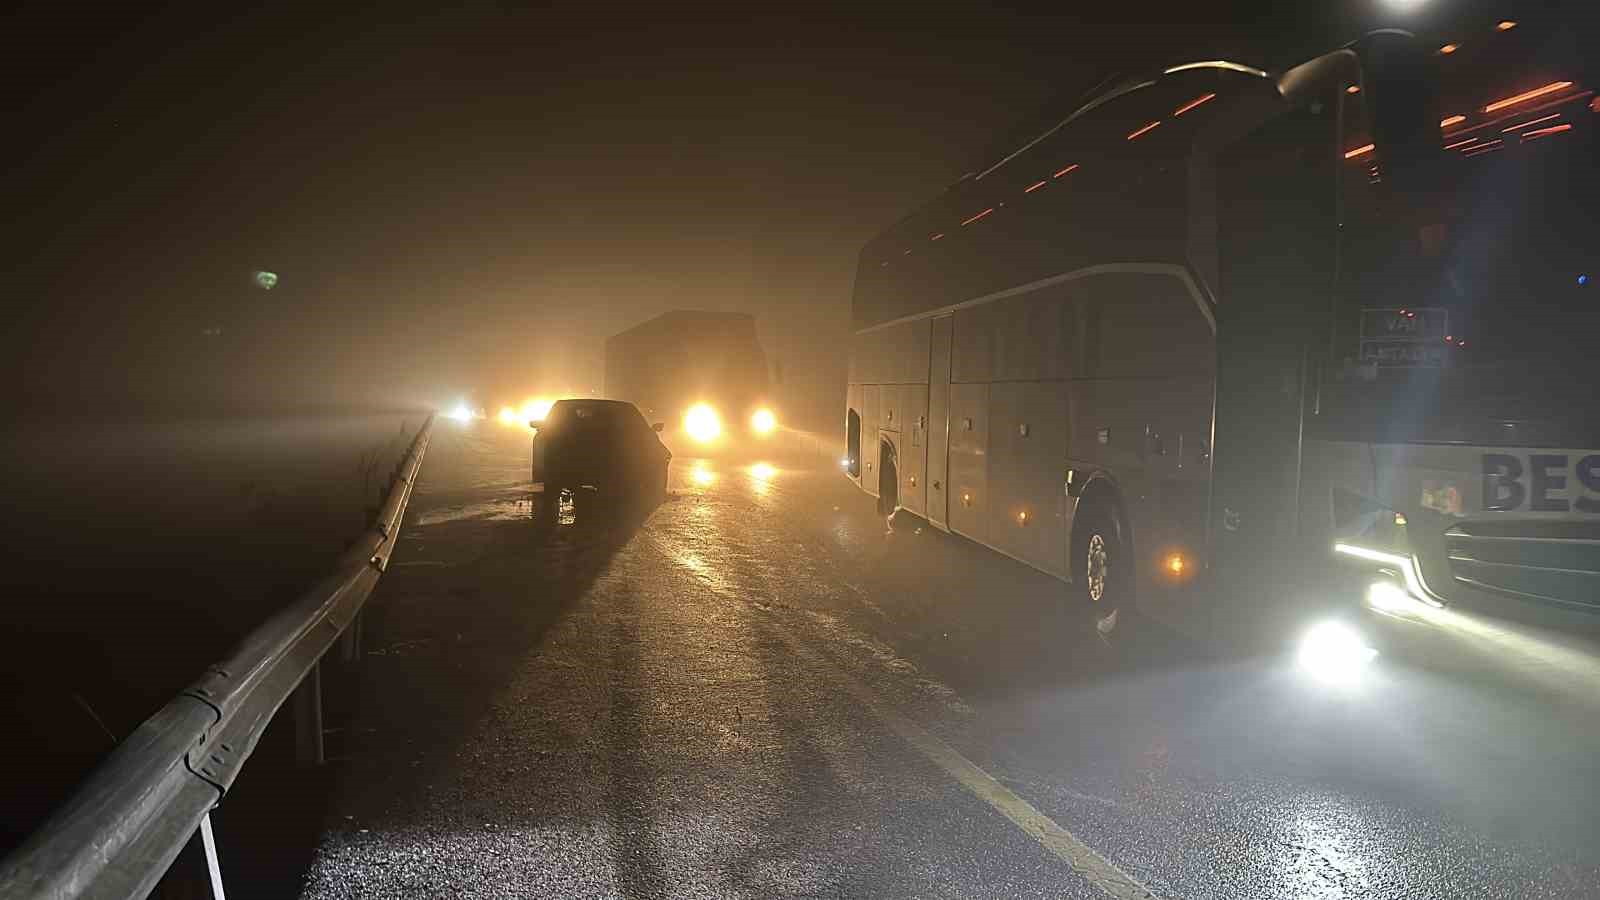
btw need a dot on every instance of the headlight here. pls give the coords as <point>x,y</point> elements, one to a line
<point>763,421</point>
<point>1334,653</point>
<point>702,423</point>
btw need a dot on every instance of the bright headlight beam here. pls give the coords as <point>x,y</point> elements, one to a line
<point>461,413</point>
<point>1334,653</point>
<point>763,421</point>
<point>702,423</point>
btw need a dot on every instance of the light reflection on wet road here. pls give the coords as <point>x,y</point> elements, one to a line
<point>748,695</point>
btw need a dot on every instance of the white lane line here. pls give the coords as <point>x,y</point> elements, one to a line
<point>1094,868</point>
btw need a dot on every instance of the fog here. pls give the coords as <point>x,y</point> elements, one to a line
<point>467,203</point>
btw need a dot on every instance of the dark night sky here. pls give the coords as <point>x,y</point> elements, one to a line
<point>471,200</point>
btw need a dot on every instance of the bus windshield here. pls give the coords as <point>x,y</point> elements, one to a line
<point>1486,307</point>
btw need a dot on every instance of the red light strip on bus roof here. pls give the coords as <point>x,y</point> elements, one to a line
<point>1536,92</point>
<point>1490,147</point>
<point>1532,122</point>
<point>1145,130</point>
<point>1546,132</point>
<point>1033,187</point>
<point>1065,171</point>
<point>1461,143</point>
<point>978,216</point>
<point>1193,103</point>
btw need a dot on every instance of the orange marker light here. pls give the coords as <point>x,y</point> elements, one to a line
<point>1448,49</point>
<point>1447,121</point>
<point>1531,122</point>
<point>1175,564</point>
<point>936,236</point>
<point>1360,151</point>
<point>1033,187</point>
<point>1546,132</point>
<point>1353,89</point>
<point>1065,171</point>
<point>1470,140</point>
<point>1505,25</point>
<point>1145,130</point>
<point>978,216</point>
<point>1193,103</point>
<point>1536,92</point>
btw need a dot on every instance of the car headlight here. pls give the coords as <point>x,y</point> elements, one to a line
<point>702,423</point>
<point>763,421</point>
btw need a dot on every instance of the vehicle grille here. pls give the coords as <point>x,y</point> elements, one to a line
<point>1556,562</point>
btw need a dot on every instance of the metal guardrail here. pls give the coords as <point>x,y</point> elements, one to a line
<point>126,823</point>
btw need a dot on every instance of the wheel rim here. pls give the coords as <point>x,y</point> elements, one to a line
<point>1096,567</point>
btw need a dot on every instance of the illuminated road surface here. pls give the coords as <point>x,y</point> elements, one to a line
<point>761,693</point>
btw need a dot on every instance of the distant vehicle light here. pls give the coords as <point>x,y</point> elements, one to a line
<point>702,423</point>
<point>461,413</point>
<point>1175,564</point>
<point>1583,280</point>
<point>764,421</point>
<point>1360,151</point>
<point>702,475</point>
<point>763,471</point>
<point>508,416</point>
<point>1448,49</point>
<point>535,410</point>
<point>1334,653</point>
<point>1505,25</point>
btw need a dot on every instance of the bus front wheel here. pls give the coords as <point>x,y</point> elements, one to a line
<point>1100,566</point>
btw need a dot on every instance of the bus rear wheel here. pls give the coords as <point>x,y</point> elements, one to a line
<point>1100,567</point>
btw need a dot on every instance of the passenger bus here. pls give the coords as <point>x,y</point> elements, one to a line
<point>1223,328</point>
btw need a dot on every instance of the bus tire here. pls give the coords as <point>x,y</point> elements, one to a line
<point>1102,576</point>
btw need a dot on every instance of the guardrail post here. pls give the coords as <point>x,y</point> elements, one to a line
<point>350,641</point>
<point>308,718</point>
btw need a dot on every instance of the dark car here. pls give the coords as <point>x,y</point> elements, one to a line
<point>601,454</point>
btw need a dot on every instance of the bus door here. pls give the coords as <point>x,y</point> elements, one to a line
<point>938,422</point>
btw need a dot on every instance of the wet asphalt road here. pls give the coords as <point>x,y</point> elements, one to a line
<point>761,692</point>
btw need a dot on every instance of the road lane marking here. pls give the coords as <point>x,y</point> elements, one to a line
<point>1091,866</point>
<point>1098,871</point>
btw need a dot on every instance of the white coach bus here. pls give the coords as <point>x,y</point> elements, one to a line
<point>1222,327</point>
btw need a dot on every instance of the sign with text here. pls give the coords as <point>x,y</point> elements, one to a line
<point>1404,338</point>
